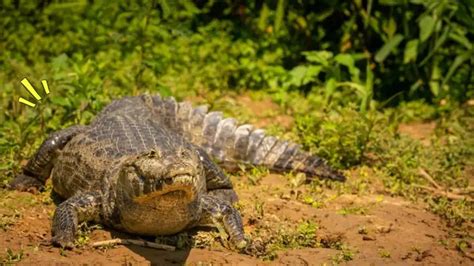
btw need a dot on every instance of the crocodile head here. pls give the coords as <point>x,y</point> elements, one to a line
<point>158,192</point>
<point>157,175</point>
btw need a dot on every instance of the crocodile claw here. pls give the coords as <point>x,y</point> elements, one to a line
<point>63,241</point>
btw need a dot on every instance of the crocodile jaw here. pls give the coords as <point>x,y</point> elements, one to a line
<point>183,186</point>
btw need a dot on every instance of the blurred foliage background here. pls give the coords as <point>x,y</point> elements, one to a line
<point>348,72</point>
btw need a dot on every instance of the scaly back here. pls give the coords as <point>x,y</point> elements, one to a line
<point>223,138</point>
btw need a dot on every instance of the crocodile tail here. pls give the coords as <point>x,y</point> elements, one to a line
<point>232,144</point>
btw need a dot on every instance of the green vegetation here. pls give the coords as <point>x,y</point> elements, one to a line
<point>254,174</point>
<point>285,236</point>
<point>384,253</point>
<point>344,256</point>
<point>304,235</point>
<point>11,256</point>
<point>358,210</point>
<point>348,73</point>
<point>83,234</point>
<point>8,220</point>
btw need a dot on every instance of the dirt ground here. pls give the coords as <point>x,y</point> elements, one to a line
<point>395,232</point>
<point>379,230</point>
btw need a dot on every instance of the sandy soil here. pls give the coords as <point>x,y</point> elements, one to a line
<point>419,131</point>
<point>394,232</point>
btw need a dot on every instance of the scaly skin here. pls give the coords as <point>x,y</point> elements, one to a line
<point>144,166</point>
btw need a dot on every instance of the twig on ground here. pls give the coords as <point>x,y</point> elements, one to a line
<point>142,243</point>
<point>463,191</point>
<point>427,176</point>
<point>447,194</point>
<point>456,194</point>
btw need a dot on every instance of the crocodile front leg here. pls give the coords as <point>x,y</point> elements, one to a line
<point>39,167</point>
<point>68,215</point>
<point>221,211</point>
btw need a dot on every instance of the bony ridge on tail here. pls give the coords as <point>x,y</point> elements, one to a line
<point>145,166</point>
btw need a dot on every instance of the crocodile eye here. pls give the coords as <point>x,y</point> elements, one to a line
<point>154,154</point>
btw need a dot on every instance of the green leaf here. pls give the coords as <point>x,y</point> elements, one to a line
<point>411,51</point>
<point>360,89</point>
<point>388,48</point>
<point>64,102</point>
<point>60,62</point>
<point>427,25</point>
<point>390,28</point>
<point>369,87</point>
<point>459,60</point>
<point>301,21</point>
<point>369,81</point>
<point>415,86</point>
<point>165,7</point>
<point>367,15</point>
<point>437,45</point>
<point>297,75</point>
<point>302,75</point>
<point>434,80</point>
<point>418,2</point>
<point>262,20</point>
<point>62,7</point>
<point>330,87</point>
<point>345,59</point>
<point>391,2</point>
<point>321,57</point>
<point>348,61</point>
<point>461,39</point>
<point>280,12</point>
